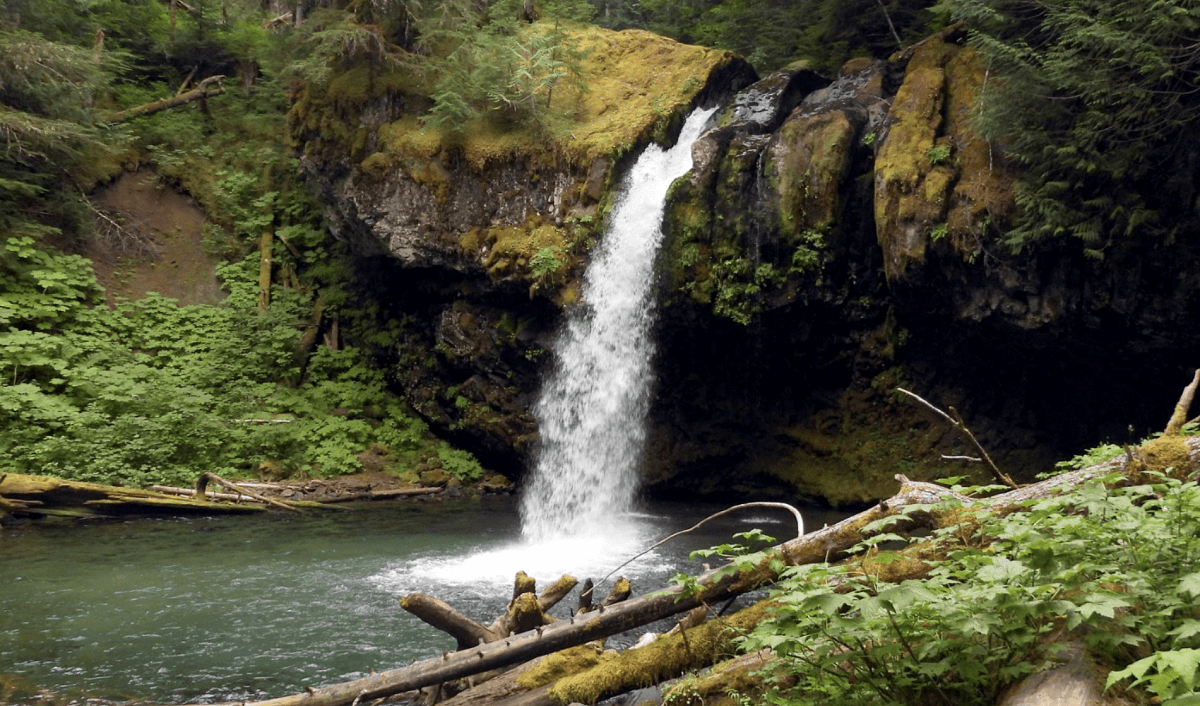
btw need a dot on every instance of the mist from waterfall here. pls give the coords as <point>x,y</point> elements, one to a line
<point>592,409</point>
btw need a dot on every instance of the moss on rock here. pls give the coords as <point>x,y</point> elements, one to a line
<point>1167,455</point>
<point>934,175</point>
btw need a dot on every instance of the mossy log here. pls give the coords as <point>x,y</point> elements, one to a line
<point>210,86</point>
<point>31,495</point>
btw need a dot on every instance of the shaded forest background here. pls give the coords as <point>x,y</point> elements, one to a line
<point>282,378</point>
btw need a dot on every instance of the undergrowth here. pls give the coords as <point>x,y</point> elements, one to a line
<point>155,392</point>
<point>1114,570</point>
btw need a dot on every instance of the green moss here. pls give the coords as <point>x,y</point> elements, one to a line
<point>564,663</point>
<point>665,658</point>
<point>637,84</point>
<point>1168,455</point>
<point>376,166</point>
<point>514,248</point>
<point>806,169</point>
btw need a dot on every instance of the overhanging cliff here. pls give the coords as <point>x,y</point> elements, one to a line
<point>838,237</point>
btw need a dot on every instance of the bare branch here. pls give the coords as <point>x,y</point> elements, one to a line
<point>743,506</point>
<point>957,422</point>
<point>1179,416</point>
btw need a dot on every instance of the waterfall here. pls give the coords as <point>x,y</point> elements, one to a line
<point>592,408</point>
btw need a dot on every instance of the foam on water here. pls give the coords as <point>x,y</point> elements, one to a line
<point>488,571</point>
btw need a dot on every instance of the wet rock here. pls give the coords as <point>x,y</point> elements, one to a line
<point>496,483</point>
<point>435,479</point>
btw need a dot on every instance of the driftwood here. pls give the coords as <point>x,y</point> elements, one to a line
<point>206,477</point>
<point>210,86</point>
<point>442,616</point>
<point>522,614</point>
<point>191,492</point>
<point>340,498</point>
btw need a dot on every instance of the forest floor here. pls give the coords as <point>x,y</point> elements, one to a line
<point>159,246</point>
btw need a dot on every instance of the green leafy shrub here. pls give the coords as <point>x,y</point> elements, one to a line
<point>1119,569</point>
<point>459,463</point>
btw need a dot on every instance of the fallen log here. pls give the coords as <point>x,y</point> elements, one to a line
<point>912,506</point>
<point>191,492</point>
<point>44,495</point>
<point>210,86</point>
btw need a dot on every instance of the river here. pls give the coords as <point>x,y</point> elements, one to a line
<point>202,610</point>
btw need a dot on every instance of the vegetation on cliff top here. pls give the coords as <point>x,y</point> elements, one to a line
<point>1097,103</point>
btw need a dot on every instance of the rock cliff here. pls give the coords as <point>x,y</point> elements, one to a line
<point>835,239</point>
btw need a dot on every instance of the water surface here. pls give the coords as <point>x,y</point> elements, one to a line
<point>230,608</point>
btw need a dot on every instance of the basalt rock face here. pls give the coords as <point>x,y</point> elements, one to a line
<point>836,239</point>
<point>478,239</point>
<point>817,262</point>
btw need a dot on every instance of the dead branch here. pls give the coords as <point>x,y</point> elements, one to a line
<point>621,591</point>
<point>120,233</point>
<point>1179,416</point>
<point>722,513</point>
<point>556,591</point>
<point>190,492</point>
<point>439,614</point>
<point>202,485</point>
<point>284,19</point>
<point>179,3</point>
<point>210,86</point>
<point>957,422</point>
<point>187,80</point>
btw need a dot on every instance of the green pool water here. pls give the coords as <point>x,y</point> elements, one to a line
<point>224,609</point>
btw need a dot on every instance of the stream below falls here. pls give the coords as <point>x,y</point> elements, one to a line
<point>202,610</point>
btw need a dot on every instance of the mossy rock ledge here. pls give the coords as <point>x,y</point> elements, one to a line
<point>839,236</point>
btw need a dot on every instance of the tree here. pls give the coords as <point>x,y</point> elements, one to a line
<point>485,61</point>
<point>1097,101</point>
<point>45,128</point>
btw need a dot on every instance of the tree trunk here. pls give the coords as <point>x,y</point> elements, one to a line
<point>264,268</point>
<point>210,86</point>
<point>309,338</point>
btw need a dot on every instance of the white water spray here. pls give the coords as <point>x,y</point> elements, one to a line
<point>592,409</point>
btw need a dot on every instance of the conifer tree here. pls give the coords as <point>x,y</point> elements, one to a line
<point>1098,102</point>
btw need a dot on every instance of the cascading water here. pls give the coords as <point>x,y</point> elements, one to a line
<point>593,405</point>
<point>576,511</point>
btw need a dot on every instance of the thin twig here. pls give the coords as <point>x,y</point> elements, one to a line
<point>957,422</point>
<point>743,506</point>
